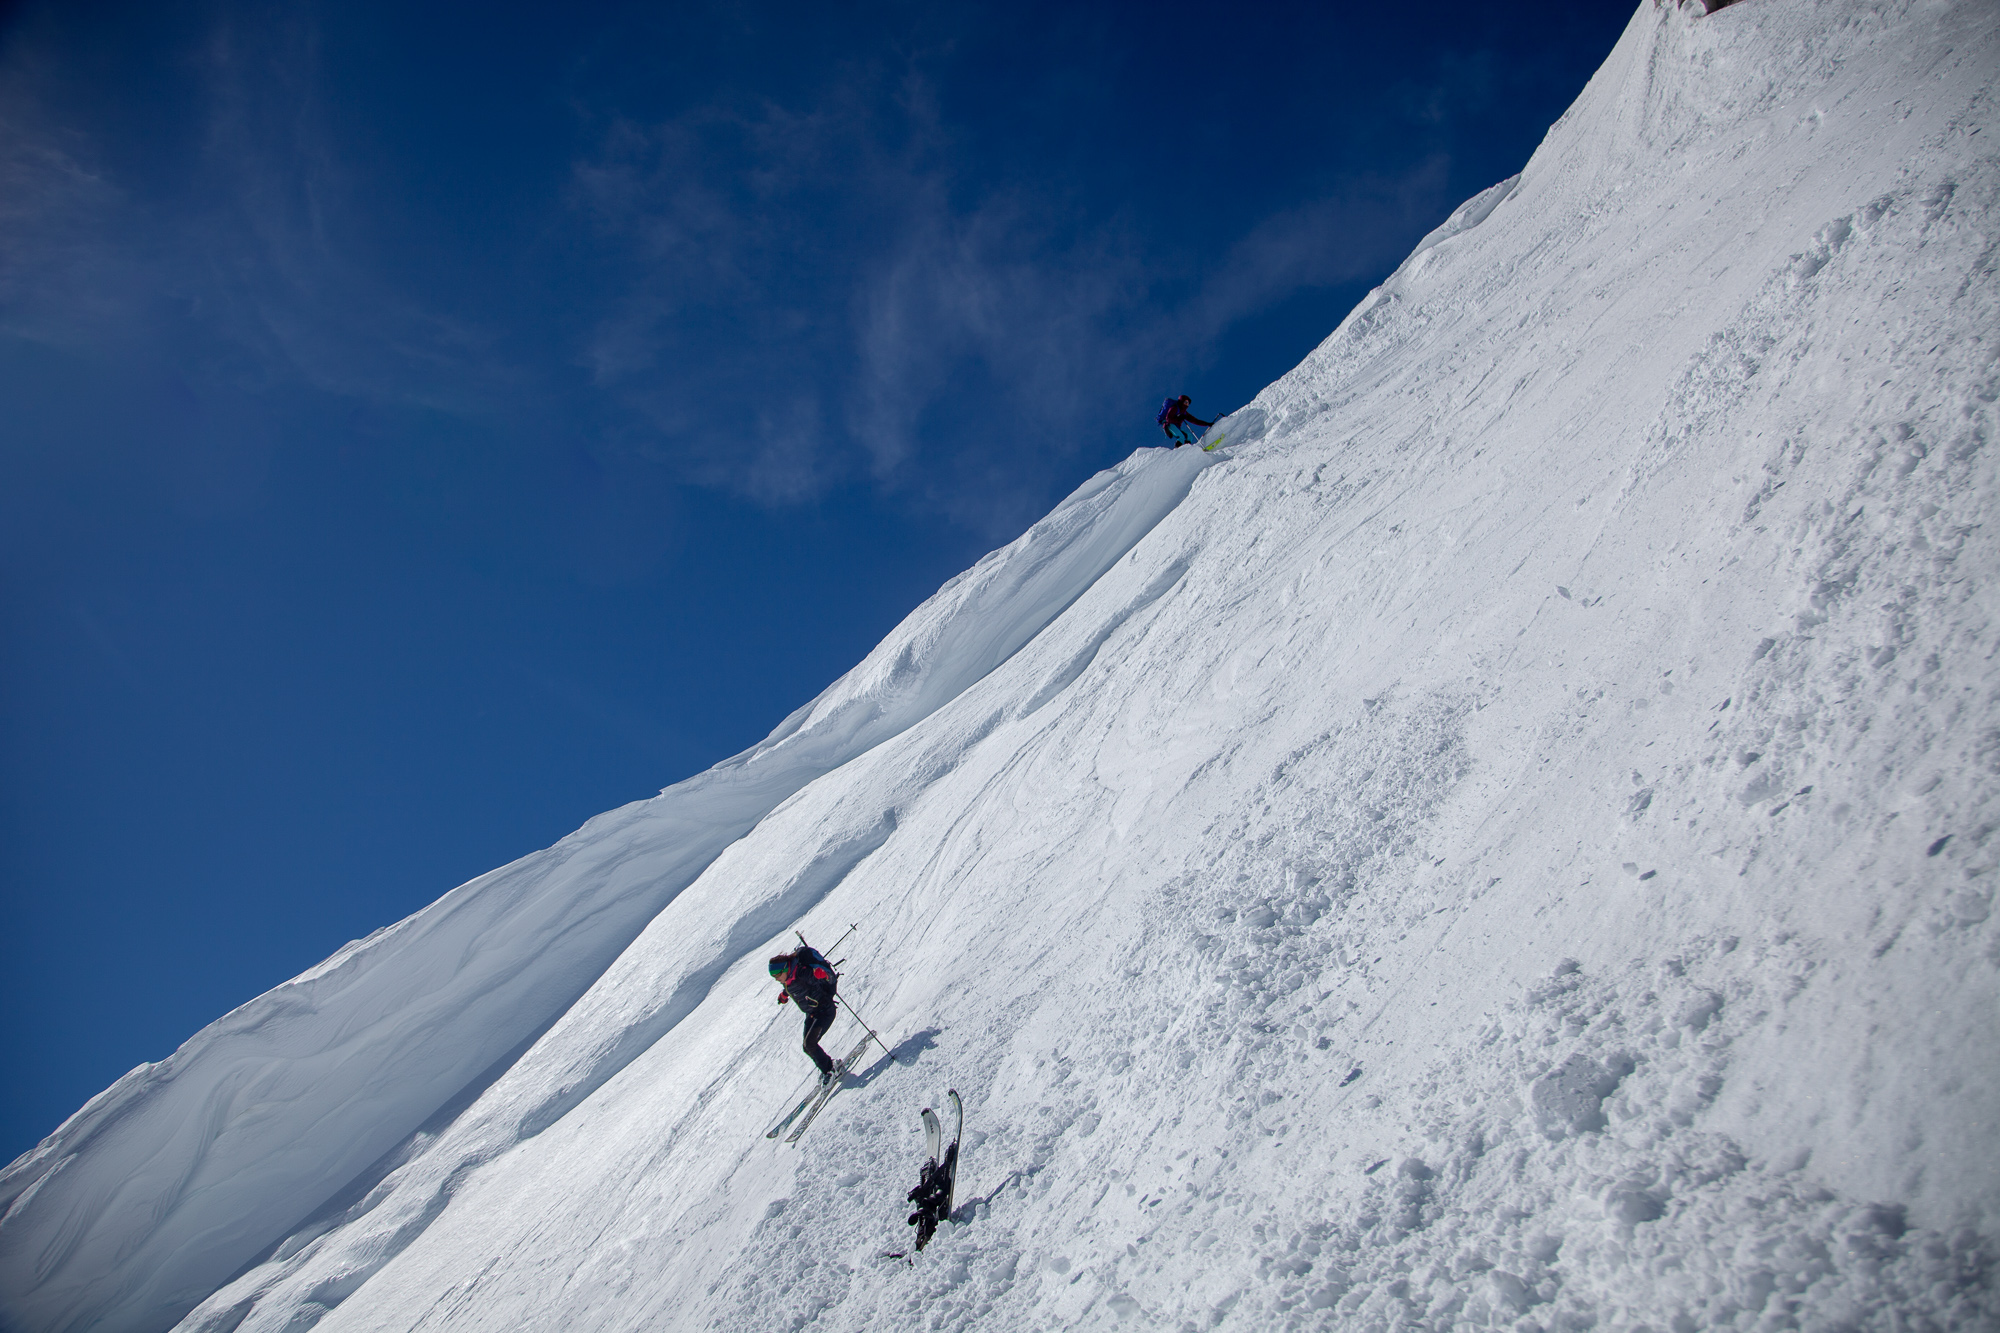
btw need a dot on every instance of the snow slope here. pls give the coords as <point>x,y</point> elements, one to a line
<point>172,1179</point>
<point>1507,842</point>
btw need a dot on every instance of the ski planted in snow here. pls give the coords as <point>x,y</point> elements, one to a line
<point>937,1184</point>
<point>1216,444</point>
<point>825,1094</point>
<point>951,1154</point>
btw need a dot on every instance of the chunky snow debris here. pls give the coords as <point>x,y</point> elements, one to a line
<point>1508,842</point>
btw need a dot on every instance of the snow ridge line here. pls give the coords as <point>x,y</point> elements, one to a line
<point>306,1089</point>
<point>414,1205</point>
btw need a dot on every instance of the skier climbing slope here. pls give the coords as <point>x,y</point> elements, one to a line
<point>807,979</point>
<point>1179,423</point>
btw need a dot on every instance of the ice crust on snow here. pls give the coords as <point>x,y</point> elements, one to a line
<point>1507,842</point>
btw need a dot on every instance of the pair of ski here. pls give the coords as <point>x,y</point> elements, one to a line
<point>819,1095</point>
<point>939,1179</point>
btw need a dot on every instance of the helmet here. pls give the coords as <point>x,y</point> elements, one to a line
<point>780,965</point>
<point>1185,398</point>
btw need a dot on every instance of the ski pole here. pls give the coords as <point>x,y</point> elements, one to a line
<point>871,1031</point>
<point>830,948</point>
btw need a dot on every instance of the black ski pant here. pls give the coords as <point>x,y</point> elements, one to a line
<point>818,1021</point>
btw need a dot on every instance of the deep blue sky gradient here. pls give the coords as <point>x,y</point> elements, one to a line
<point>425,426</point>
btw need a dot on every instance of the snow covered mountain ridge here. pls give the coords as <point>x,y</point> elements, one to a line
<point>1506,842</point>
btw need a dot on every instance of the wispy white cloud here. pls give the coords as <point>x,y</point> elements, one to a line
<point>939,322</point>
<point>236,254</point>
<point>273,228</point>
<point>60,281</point>
<point>776,298</point>
<point>1323,243</point>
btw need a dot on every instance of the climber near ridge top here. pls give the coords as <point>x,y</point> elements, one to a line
<point>810,982</point>
<point>1179,423</point>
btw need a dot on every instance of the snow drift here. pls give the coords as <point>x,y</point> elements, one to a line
<point>1508,839</point>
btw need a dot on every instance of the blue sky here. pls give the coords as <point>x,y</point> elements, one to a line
<point>426,426</point>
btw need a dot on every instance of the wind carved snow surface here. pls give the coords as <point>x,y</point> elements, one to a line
<point>292,1108</point>
<point>1508,843</point>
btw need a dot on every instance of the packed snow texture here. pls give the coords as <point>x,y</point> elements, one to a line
<point>1505,842</point>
